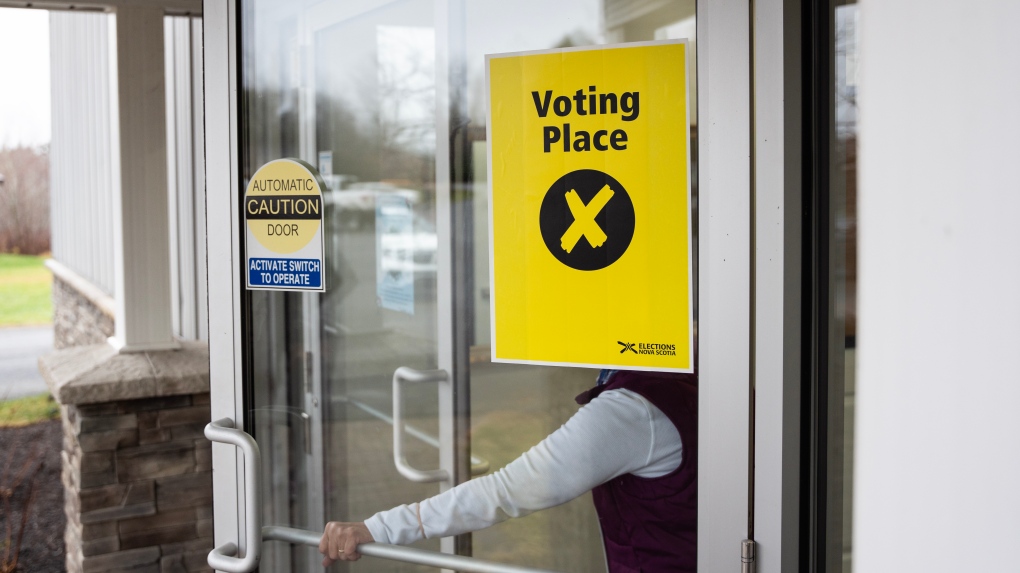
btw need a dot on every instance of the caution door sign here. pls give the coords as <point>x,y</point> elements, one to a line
<point>283,210</point>
<point>590,207</point>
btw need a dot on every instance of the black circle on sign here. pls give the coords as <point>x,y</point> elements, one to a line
<point>615,219</point>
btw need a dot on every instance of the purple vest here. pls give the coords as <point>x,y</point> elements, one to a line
<point>651,524</point>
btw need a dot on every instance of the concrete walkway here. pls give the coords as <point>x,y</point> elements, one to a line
<point>20,348</point>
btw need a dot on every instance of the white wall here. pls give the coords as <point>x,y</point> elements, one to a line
<point>81,179</point>
<point>938,419</point>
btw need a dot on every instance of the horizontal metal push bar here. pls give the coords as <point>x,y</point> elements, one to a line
<point>400,553</point>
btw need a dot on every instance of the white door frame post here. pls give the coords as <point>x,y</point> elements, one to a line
<point>223,253</point>
<point>724,281</point>
<point>777,294</point>
<point>140,224</point>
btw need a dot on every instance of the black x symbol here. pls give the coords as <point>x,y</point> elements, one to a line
<point>626,346</point>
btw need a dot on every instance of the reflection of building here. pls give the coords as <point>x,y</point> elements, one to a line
<point>153,132</point>
<point>634,20</point>
<point>628,20</point>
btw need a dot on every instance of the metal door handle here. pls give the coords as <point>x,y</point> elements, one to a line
<point>399,553</point>
<point>405,374</point>
<point>479,465</point>
<point>223,558</point>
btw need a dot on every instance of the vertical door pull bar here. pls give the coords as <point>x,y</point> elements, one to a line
<point>479,465</point>
<point>405,374</point>
<point>223,558</point>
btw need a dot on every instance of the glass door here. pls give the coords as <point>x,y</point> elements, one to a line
<point>387,100</point>
<point>350,88</point>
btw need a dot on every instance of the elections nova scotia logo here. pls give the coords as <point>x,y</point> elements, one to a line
<point>650,348</point>
<point>283,211</point>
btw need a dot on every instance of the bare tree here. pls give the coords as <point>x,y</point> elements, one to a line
<point>25,200</point>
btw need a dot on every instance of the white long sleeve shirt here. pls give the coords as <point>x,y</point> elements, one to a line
<point>618,432</point>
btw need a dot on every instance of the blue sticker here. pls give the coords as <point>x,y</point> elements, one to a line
<point>285,273</point>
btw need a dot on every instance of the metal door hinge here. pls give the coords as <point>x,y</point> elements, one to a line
<point>747,555</point>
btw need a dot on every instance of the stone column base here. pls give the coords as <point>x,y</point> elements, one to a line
<point>137,469</point>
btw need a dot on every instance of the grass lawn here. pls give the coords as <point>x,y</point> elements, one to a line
<point>25,286</point>
<point>28,410</point>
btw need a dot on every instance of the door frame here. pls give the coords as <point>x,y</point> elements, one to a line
<point>724,281</point>
<point>744,94</point>
<point>225,273</point>
<point>777,78</point>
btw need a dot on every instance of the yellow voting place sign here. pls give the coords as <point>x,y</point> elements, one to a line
<point>283,212</point>
<point>590,207</point>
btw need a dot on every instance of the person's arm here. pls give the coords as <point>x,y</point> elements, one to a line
<point>617,433</point>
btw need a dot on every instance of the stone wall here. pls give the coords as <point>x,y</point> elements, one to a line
<point>138,485</point>
<point>137,468</point>
<point>82,314</point>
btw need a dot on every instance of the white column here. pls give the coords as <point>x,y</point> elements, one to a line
<point>140,227</point>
